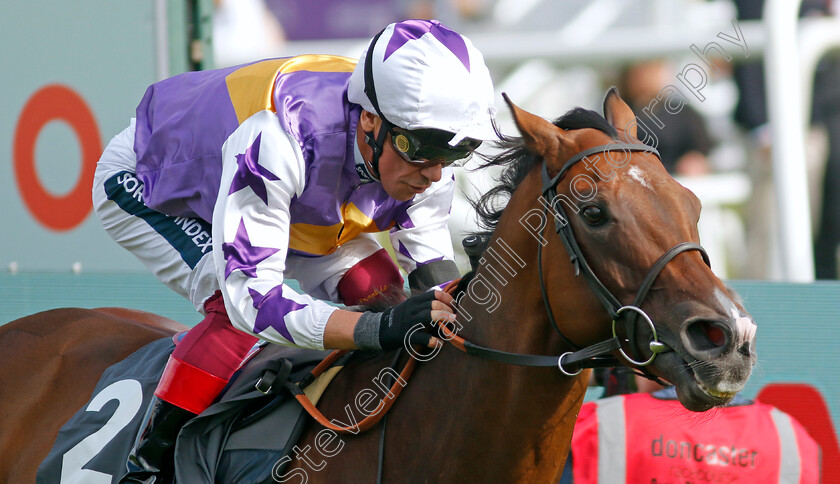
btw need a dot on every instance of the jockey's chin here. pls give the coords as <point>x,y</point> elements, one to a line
<point>402,190</point>
<point>405,191</point>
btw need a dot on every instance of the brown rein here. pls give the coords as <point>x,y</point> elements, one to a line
<point>366,423</point>
<point>590,357</point>
<point>387,402</point>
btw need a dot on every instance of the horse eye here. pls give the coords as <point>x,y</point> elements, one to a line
<point>594,215</point>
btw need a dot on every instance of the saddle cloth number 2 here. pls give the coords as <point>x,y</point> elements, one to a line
<point>129,394</point>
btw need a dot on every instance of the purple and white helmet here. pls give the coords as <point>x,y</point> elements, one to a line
<point>423,75</point>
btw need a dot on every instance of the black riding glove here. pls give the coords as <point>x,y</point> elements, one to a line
<point>387,330</point>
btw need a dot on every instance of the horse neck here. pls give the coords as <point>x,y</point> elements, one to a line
<point>514,423</point>
<point>504,307</point>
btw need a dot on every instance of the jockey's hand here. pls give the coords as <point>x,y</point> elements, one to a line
<point>387,330</point>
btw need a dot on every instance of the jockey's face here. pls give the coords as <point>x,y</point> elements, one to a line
<point>400,179</point>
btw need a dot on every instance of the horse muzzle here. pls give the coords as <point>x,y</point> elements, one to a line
<point>717,355</point>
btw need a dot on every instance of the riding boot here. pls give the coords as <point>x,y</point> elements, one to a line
<point>190,382</point>
<point>152,459</point>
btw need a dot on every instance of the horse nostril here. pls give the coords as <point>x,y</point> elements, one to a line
<point>707,335</point>
<point>715,334</point>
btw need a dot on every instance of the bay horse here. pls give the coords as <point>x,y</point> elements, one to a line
<point>638,291</point>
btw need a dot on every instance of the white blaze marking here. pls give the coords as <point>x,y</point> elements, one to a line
<point>746,326</point>
<point>637,174</point>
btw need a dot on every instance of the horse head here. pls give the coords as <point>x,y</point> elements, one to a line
<point>630,230</point>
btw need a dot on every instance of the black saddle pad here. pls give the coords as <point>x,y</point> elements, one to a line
<point>238,439</point>
<point>93,445</point>
<point>244,437</point>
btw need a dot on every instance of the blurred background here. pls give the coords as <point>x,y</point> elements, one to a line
<point>741,96</point>
<point>694,71</point>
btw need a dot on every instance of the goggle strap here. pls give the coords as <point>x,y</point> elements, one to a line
<point>372,170</point>
<point>380,143</point>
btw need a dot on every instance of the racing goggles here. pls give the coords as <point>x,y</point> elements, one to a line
<point>431,145</point>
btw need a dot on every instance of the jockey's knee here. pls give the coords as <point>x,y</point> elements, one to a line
<point>373,282</point>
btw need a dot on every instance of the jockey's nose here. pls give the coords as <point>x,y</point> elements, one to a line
<point>433,172</point>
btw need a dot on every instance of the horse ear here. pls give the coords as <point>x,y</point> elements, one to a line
<point>619,114</point>
<point>540,135</point>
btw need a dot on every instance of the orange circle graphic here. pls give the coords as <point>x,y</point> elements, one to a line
<point>56,102</point>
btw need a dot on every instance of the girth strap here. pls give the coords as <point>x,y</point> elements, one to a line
<point>366,423</point>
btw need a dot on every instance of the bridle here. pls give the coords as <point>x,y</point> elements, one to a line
<point>615,309</point>
<point>571,363</point>
<point>598,355</point>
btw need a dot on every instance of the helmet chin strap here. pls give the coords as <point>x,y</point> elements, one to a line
<point>377,144</point>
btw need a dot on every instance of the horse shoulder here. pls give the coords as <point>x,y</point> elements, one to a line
<point>50,363</point>
<point>151,320</point>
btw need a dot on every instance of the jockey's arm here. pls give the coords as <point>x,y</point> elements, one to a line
<point>338,334</point>
<point>342,327</point>
<point>263,170</point>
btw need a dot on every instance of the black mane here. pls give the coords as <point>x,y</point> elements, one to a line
<point>518,162</point>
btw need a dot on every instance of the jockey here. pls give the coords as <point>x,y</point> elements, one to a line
<point>229,181</point>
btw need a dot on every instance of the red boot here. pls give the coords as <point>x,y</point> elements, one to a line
<point>195,374</point>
